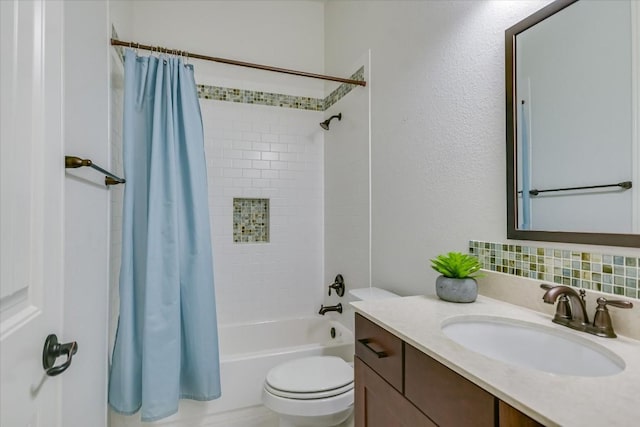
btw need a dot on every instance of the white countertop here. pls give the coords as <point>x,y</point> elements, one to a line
<point>548,398</point>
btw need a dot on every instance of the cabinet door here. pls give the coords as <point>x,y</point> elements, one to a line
<point>511,417</point>
<point>378,404</point>
<point>449,399</point>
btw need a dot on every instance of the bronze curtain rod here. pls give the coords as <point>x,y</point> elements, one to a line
<point>115,42</point>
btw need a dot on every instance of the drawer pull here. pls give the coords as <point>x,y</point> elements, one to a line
<point>370,346</point>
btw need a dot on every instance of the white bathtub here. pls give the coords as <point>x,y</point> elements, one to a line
<point>247,352</point>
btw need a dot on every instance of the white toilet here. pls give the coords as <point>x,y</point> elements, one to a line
<point>315,391</point>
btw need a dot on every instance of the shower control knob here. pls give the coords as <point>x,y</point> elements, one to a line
<point>338,285</point>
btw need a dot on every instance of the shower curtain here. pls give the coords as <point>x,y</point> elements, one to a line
<point>166,345</point>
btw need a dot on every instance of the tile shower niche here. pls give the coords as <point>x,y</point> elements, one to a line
<point>250,220</point>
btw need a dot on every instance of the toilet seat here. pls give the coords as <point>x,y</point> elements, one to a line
<point>312,377</point>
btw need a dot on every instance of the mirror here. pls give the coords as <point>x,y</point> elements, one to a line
<point>573,155</point>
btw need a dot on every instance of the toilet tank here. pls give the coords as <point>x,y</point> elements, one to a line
<point>363,294</point>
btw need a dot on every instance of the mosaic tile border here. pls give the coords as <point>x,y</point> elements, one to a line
<point>250,220</point>
<point>614,274</point>
<point>343,89</point>
<point>219,93</point>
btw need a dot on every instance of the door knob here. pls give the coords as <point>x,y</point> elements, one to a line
<point>52,350</point>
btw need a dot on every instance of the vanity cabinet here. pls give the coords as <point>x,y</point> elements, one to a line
<point>398,385</point>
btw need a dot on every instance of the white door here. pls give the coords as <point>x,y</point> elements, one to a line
<point>635,110</point>
<point>31,208</point>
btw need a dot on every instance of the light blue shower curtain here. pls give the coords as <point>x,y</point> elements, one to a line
<point>167,345</point>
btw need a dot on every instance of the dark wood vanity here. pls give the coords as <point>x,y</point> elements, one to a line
<point>398,385</point>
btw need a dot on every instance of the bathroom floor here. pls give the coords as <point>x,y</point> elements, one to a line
<point>257,416</point>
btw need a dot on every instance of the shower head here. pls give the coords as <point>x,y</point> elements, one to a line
<point>325,125</point>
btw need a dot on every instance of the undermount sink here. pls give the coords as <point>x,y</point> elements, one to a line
<point>533,346</point>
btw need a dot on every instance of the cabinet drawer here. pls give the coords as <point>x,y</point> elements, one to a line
<point>446,397</point>
<point>381,350</point>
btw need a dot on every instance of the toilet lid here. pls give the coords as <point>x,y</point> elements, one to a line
<point>310,374</point>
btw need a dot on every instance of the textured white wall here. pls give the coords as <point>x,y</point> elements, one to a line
<point>438,125</point>
<point>287,34</point>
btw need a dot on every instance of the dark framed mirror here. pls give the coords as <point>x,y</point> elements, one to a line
<point>572,96</point>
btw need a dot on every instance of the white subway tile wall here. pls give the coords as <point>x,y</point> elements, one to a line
<point>256,151</point>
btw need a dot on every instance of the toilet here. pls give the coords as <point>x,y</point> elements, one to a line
<point>315,391</point>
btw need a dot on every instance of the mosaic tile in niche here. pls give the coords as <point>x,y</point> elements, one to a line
<point>250,220</point>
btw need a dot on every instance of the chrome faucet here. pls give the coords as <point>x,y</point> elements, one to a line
<point>325,309</point>
<point>572,312</point>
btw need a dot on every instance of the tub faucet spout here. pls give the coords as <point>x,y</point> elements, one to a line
<point>325,309</point>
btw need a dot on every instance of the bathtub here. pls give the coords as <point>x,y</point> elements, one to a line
<point>247,352</point>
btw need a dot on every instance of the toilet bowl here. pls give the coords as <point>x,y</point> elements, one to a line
<point>315,391</point>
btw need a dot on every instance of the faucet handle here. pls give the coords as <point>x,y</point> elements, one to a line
<point>615,303</point>
<point>602,320</point>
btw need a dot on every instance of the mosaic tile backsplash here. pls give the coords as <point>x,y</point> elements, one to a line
<point>612,274</point>
<point>251,220</point>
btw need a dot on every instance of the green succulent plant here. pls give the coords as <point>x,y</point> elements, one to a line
<point>456,265</point>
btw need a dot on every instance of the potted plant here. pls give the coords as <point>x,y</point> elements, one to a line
<point>457,282</point>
